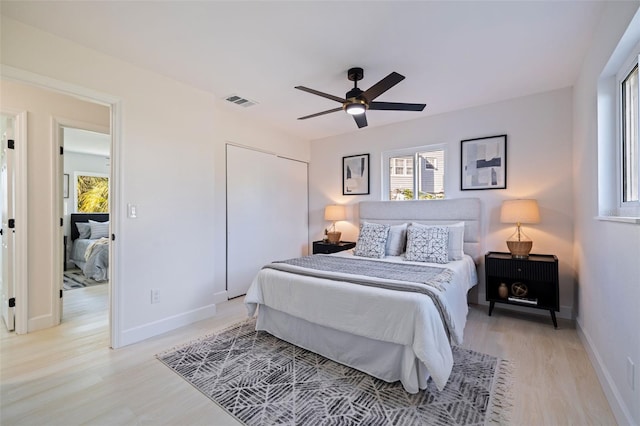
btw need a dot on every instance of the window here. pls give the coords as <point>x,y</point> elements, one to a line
<point>629,140</point>
<point>414,174</point>
<point>402,166</point>
<point>627,146</point>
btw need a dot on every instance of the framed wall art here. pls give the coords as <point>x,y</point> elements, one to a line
<point>483,163</point>
<point>355,175</point>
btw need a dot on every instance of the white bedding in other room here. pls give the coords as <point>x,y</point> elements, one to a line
<point>403,318</point>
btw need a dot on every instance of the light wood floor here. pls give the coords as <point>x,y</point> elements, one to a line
<point>68,376</point>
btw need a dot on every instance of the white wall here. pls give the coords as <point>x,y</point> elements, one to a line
<point>606,253</point>
<point>75,162</point>
<point>170,159</point>
<point>538,132</point>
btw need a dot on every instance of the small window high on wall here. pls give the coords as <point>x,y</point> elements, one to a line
<point>630,162</point>
<point>414,174</point>
<point>618,92</point>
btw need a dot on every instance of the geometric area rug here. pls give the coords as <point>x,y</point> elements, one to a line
<point>74,278</point>
<point>262,380</point>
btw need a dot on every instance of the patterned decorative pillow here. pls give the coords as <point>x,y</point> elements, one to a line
<point>397,240</point>
<point>456,239</point>
<point>372,240</point>
<point>427,244</point>
<point>99,229</point>
<point>84,229</point>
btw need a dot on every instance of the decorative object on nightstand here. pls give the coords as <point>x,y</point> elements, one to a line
<point>334,213</point>
<point>503,291</point>
<point>519,212</point>
<point>532,282</point>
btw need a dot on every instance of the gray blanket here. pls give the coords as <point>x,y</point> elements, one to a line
<point>423,279</point>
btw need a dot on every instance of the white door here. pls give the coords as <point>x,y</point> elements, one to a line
<point>267,213</point>
<point>7,187</point>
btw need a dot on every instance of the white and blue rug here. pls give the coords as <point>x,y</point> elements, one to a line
<point>262,380</point>
<point>74,278</point>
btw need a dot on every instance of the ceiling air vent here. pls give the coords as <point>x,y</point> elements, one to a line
<point>239,100</point>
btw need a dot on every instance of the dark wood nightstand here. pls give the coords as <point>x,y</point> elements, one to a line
<point>532,282</point>
<point>326,248</point>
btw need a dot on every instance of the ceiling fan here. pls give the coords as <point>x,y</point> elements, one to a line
<point>356,102</point>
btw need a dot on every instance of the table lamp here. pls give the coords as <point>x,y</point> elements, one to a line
<point>519,212</point>
<point>334,213</point>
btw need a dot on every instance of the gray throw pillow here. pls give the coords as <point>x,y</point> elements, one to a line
<point>84,229</point>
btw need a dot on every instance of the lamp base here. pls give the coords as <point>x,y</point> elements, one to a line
<point>520,249</point>
<point>334,237</point>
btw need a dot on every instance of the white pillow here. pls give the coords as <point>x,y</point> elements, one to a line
<point>427,244</point>
<point>99,229</point>
<point>455,243</point>
<point>397,240</point>
<point>372,240</point>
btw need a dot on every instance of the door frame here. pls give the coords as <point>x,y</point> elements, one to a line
<point>20,247</point>
<point>57,125</point>
<point>115,251</point>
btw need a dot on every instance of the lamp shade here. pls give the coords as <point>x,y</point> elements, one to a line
<point>520,211</point>
<point>335,213</point>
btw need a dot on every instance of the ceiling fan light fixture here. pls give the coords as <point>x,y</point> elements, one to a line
<point>355,108</point>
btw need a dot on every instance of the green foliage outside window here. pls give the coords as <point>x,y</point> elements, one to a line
<point>93,194</point>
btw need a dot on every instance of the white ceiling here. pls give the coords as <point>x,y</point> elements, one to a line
<point>86,142</point>
<point>454,54</point>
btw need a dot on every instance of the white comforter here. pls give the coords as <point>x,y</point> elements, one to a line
<point>408,319</point>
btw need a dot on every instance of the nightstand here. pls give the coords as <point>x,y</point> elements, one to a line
<point>532,282</point>
<point>326,248</point>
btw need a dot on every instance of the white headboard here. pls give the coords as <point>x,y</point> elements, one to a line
<point>432,212</point>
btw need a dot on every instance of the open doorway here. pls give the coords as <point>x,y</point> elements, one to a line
<point>86,178</point>
<point>7,231</point>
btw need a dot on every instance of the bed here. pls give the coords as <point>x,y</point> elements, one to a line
<point>90,244</point>
<point>390,334</point>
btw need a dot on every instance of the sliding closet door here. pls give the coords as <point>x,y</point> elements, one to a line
<point>267,213</point>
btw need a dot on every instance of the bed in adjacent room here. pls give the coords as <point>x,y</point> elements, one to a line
<point>90,244</point>
<point>390,308</point>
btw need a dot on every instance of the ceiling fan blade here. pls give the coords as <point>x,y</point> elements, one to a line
<point>382,86</point>
<point>324,95</point>
<point>396,106</point>
<point>321,113</point>
<point>361,120</point>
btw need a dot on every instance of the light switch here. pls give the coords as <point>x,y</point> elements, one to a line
<point>132,210</point>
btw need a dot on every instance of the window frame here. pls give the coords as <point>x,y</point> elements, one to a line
<point>625,208</point>
<point>407,152</point>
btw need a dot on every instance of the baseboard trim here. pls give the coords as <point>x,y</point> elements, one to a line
<point>146,331</point>
<point>620,410</point>
<point>220,297</point>
<point>40,323</point>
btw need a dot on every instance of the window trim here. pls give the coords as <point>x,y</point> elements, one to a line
<point>406,152</point>
<point>625,208</point>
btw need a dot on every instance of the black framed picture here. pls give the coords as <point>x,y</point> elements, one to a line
<point>355,175</point>
<point>483,163</point>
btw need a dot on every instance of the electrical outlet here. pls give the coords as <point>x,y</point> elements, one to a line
<point>631,373</point>
<point>155,295</point>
